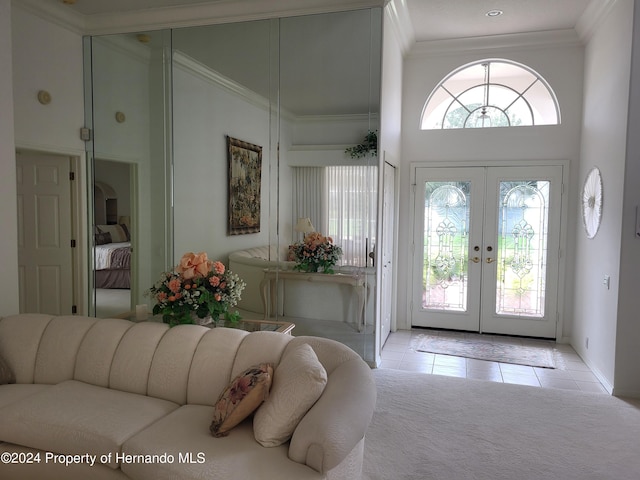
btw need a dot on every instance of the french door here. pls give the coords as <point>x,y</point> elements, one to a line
<point>486,249</point>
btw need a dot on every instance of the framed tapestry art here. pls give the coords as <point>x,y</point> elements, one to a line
<point>245,168</point>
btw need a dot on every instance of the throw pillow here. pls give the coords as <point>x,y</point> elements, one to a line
<point>103,238</point>
<point>240,399</point>
<point>6,375</point>
<point>298,382</point>
<point>118,234</point>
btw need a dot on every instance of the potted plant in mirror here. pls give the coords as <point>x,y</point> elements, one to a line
<point>316,253</point>
<point>198,290</point>
<point>368,147</point>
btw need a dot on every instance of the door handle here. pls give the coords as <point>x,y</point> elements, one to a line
<point>475,259</point>
<point>491,260</point>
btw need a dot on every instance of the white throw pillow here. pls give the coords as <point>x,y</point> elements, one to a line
<point>298,382</point>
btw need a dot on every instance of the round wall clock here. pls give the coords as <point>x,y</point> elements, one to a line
<point>592,202</point>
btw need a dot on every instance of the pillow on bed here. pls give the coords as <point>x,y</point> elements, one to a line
<point>118,234</point>
<point>103,238</point>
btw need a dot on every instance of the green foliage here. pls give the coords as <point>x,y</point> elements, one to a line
<point>368,147</point>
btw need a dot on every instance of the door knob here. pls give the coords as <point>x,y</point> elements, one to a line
<point>475,259</point>
<point>491,260</point>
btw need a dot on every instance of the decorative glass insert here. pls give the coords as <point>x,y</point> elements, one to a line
<point>446,243</point>
<point>523,218</point>
<point>491,93</point>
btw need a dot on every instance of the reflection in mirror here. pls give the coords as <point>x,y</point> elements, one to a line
<point>329,97</point>
<point>303,89</point>
<point>130,218</point>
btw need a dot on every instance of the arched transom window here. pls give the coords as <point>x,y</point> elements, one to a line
<point>491,93</point>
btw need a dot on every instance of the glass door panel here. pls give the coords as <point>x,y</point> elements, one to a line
<point>523,219</point>
<point>444,276</point>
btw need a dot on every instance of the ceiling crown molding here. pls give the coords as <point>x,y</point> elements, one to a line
<point>400,21</point>
<point>57,14</point>
<point>496,42</point>
<point>205,13</point>
<point>592,17</point>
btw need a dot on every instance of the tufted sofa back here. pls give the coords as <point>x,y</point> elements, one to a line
<point>187,364</point>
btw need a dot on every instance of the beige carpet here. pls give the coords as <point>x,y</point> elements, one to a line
<point>430,427</point>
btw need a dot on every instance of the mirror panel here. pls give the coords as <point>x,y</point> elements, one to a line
<point>329,99</point>
<point>129,90</point>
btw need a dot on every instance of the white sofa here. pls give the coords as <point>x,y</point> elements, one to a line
<point>250,264</point>
<point>110,386</point>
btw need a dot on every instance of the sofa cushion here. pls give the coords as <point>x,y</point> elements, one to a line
<point>184,435</point>
<point>76,418</point>
<point>240,399</point>
<point>18,391</point>
<point>298,382</point>
<point>20,337</point>
<point>6,374</point>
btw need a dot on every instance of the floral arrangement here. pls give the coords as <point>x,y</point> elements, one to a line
<point>197,288</point>
<point>316,253</point>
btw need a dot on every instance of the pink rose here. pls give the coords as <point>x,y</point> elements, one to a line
<point>214,281</point>
<point>174,285</point>
<point>218,267</point>
<point>193,265</point>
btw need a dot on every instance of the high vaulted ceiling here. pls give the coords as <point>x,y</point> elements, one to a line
<point>430,19</point>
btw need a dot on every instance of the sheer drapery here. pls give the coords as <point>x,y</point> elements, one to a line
<point>341,202</point>
<point>309,196</point>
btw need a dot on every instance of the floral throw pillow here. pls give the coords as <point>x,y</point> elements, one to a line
<point>241,398</point>
<point>6,375</point>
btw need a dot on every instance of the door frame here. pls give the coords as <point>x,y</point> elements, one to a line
<point>564,224</point>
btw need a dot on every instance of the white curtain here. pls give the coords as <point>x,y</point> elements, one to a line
<point>341,203</point>
<point>309,196</point>
<point>352,206</point>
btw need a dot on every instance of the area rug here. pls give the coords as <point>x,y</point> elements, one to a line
<point>533,356</point>
<point>433,427</point>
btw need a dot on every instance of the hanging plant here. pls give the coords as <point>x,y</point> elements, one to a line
<point>368,147</point>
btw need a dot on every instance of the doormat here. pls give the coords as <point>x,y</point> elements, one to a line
<point>533,356</point>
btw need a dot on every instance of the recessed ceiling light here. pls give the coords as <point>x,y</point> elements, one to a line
<point>494,13</point>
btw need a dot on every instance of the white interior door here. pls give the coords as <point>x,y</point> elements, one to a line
<point>388,233</point>
<point>486,249</point>
<point>44,234</point>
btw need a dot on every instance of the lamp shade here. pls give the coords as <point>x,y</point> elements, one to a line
<point>304,225</point>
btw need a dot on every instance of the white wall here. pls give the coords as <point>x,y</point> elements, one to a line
<point>627,380</point>
<point>204,113</point>
<point>606,94</point>
<point>561,65</point>
<point>45,57</point>
<point>8,214</point>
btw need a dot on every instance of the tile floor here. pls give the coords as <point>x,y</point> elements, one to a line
<point>400,352</point>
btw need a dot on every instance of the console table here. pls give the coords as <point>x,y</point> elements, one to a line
<point>272,276</point>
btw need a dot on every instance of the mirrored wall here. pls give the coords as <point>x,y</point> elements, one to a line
<point>168,107</point>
